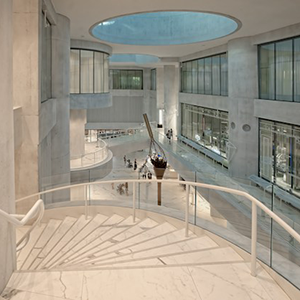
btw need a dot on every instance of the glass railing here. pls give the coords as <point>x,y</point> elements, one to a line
<point>233,214</point>
<point>92,158</point>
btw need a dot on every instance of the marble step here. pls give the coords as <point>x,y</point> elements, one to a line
<point>34,236</point>
<point>175,242</point>
<point>109,235</point>
<point>133,230</point>
<point>53,240</point>
<point>80,223</point>
<point>95,223</point>
<point>147,235</point>
<point>83,245</point>
<point>51,227</point>
<point>196,257</point>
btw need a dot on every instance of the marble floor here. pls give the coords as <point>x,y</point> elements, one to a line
<point>112,257</point>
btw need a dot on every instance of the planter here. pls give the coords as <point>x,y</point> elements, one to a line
<point>159,173</point>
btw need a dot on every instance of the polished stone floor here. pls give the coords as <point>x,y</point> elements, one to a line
<point>112,257</point>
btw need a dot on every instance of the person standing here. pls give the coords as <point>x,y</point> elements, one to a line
<point>125,160</point>
<point>135,165</point>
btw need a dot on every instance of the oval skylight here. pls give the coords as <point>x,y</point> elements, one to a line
<point>164,28</point>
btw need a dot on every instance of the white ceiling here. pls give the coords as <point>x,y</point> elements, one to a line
<point>256,16</point>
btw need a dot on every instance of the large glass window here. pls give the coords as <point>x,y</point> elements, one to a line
<point>279,70</point>
<point>207,127</point>
<point>46,65</point>
<point>153,80</point>
<point>207,75</point>
<point>126,79</point>
<point>88,71</point>
<point>280,154</point>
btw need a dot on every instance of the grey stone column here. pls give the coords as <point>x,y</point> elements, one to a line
<point>242,90</point>
<point>7,187</point>
<point>171,74</point>
<point>60,134</point>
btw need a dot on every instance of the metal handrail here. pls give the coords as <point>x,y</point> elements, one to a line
<point>21,220</point>
<point>255,203</point>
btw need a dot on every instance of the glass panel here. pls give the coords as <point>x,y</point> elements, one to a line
<point>224,75</point>
<point>194,76</point>
<point>216,76</point>
<point>153,79</point>
<point>207,76</point>
<point>87,71</point>
<point>284,70</point>
<point>201,76</point>
<point>296,161</point>
<point>297,70</point>
<point>189,77</point>
<point>283,155</point>
<point>266,150</point>
<point>46,66</point>
<point>183,77</point>
<point>267,72</point>
<point>106,72</point>
<point>99,69</point>
<point>74,71</point>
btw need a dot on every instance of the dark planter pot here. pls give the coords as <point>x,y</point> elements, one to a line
<point>159,173</point>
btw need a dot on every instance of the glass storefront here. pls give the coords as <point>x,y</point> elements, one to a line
<point>279,70</point>
<point>280,154</point>
<point>207,76</point>
<point>88,72</point>
<point>207,127</point>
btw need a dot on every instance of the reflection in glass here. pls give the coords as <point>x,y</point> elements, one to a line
<point>297,69</point>
<point>279,70</point>
<point>280,154</point>
<point>267,71</point>
<point>88,71</point>
<point>207,127</point>
<point>284,69</point>
<point>126,79</point>
<point>205,75</point>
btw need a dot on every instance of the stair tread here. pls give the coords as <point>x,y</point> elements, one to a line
<point>88,229</point>
<point>145,235</point>
<point>34,236</point>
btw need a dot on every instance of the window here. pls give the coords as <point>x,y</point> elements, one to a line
<point>205,76</point>
<point>153,80</point>
<point>279,70</point>
<point>207,127</point>
<point>46,65</point>
<point>280,154</point>
<point>88,72</point>
<point>126,79</point>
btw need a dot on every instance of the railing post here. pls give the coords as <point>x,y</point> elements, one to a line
<point>133,201</point>
<point>187,188</point>
<point>253,239</point>
<point>85,202</point>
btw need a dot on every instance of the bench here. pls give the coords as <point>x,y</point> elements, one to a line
<point>203,150</point>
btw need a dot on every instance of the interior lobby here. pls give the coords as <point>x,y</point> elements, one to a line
<point>76,79</point>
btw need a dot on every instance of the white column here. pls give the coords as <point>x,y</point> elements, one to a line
<point>7,187</point>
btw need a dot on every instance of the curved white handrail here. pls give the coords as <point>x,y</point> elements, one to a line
<point>255,203</point>
<point>37,208</point>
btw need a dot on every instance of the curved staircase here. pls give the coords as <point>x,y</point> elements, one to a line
<point>110,257</point>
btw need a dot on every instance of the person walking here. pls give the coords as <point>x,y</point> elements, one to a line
<point>125,160</point>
